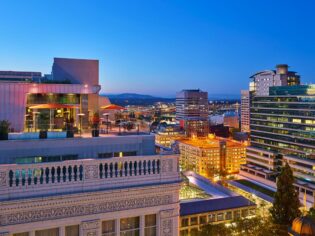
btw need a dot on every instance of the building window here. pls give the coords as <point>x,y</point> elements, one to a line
<point>108,228</point>
<point>150,225</point>
<point>72,230</point>
<point>244,212</point>
<point>220,217</point>
<point>130,226</point>
<point>211,218</point>
<point>21,234</point>
<point>125,154</point>
<point>184,222</point>
<point>237,215</point>
<point>228,215</point>
<point>252,211</point>
<point>184,232</point>
<point>47,232</point>
<point>202,220</point>
<point>193,220</point>
<point>105,155</point>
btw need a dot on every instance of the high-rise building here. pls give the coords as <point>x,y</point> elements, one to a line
<point>245,106</point>
<point>262,81</point>
<point>192,112</point>
<point>282,130</point>
<point>259,86</point>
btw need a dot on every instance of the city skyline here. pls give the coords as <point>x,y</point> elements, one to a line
<point>149,48</point>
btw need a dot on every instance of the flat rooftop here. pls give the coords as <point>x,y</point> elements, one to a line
<point>208,143</point>
<point>203,206</point>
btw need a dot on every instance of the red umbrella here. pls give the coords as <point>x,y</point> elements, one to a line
<point>112,107</point>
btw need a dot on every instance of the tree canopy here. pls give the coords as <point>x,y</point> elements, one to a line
<point>286,200</point>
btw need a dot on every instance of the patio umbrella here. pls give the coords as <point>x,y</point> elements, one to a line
<point>112,107</point>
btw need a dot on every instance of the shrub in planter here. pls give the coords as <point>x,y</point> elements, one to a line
<point>43,134</point>
<point>69,128</point>
<point>95,133</point>
<point>4,129</point>
<point>70,133</point>
<point>95,125</point>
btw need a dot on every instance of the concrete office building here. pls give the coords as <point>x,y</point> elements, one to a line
<point>282,130</point>
<point>92,194</point>
<point>30,103</point>
<point>192,112</point>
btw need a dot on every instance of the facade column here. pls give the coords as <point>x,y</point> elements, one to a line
<point>117,227</point>
<point>142,224</point>
<point>32,233</point>
<point>158,224</point>
<point>62,231</point>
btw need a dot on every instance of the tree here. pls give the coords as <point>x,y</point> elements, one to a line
<point>214,230</point>
<point>258,226</point>
<point>286,201</point>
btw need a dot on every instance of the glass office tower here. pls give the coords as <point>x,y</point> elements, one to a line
<point>283,130</point>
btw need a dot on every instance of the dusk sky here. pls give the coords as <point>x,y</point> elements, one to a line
<point>160,47</point>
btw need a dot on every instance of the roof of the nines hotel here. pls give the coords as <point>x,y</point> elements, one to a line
<point>218,204</point>
<point>211,142</point>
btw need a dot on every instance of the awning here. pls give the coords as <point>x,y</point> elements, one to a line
<point>53,106</point>
<point>112,107</point>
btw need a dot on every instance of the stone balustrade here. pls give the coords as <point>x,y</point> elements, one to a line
<point>44,179</point>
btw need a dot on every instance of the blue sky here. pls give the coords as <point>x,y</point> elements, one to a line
<point>160,47</point>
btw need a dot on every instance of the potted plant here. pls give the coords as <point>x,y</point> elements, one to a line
<point>69,128</point>
<point>4,129</point>
<point>95,125</point>
<point>43,134</point>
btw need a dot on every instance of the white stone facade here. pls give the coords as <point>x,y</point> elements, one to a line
<point>145,185</point>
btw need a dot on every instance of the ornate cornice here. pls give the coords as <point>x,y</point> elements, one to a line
<point>59,212</point>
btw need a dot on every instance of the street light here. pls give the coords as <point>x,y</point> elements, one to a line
<point>80,118</point>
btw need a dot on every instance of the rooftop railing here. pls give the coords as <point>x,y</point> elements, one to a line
<point>44,179</point>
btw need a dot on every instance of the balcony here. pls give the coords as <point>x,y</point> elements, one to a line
<point>75,176</point>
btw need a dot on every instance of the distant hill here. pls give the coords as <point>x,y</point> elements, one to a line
<point>125,99</point>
